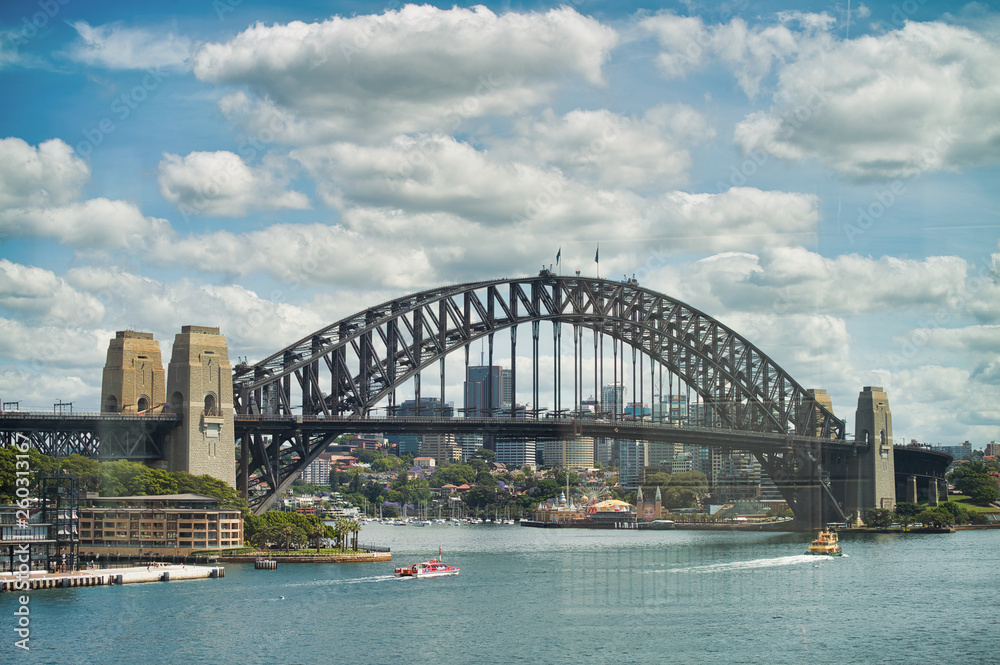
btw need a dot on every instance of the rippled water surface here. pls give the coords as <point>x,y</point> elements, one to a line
<point>552,596</point>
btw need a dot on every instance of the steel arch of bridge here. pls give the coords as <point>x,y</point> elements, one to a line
<point>350,367</point>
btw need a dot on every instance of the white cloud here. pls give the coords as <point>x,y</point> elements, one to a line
<point>739,218</point>
<point>221,184</point>
<point>750,52</point>
<point>47,175</point>
<point>95,223</point>
<point>39,295</point>
<point>941,399</point>
<point>116,47</point>
<point>911,101</point>
<point>795,280</point>
<point>414,69</point>
<point>610,149</point>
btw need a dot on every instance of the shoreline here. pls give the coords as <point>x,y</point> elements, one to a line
<point>358,557</point>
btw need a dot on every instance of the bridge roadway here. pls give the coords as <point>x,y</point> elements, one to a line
<point>132,436</point>
<point>541,428</point>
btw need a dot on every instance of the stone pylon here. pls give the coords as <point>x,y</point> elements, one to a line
<point>133,379</point>
<point>200,388</point>
<point>872,479</point>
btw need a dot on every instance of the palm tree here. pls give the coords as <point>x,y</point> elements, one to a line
<point>319,532</point>
<point>340,530</point>
<point>288,537</point>
<point>355,528</point>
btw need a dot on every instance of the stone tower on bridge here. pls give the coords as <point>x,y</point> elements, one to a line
<point>200,388</point>
<point>133,378</point>
<point>872,477</point>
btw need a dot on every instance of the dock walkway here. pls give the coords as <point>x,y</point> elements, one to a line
<point>109,576</point>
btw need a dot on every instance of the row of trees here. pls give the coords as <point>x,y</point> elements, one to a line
<point>276,527</point>
<point>116,478</point>
<point>946,514</point>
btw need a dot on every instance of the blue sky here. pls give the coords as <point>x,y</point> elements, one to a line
<point>821,177</point>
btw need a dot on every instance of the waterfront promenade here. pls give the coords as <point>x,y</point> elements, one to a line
<point>110,576</point>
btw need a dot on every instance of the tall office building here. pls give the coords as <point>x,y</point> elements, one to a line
<point>632,457</point>
<point>487,388</point>
<point>429,406</point>
<point>576,454</point>
<point>613,399</point>
<point>516,453</point>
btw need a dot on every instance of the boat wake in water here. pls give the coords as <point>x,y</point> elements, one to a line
<point>774,562</point>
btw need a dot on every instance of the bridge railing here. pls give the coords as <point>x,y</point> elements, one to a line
<point>630,425</point>
<point>86,415</point>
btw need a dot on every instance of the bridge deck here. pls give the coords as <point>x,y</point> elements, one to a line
<point>534,428</point>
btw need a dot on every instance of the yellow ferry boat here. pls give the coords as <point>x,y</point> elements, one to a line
<point>825,544</point>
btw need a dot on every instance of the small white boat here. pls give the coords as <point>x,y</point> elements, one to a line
<point>432,568</point>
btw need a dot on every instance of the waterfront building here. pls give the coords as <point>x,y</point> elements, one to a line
<point>166,524</point>
<point>38,536</point>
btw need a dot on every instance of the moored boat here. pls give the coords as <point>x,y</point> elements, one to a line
<point>432,568</point>
<point>825,544</point>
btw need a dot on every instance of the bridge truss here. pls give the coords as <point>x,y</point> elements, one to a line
<point>354,367</point>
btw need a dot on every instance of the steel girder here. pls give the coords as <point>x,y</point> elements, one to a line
<point>350,367</point>
<point>99,435</point>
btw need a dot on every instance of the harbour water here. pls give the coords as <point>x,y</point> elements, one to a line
<point>551,596</point>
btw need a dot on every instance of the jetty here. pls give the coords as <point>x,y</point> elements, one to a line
<point>108,576</point>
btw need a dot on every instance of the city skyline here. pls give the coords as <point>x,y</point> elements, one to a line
<point>819,177</point>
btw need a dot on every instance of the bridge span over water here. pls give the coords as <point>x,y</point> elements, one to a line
<point>589,333</point>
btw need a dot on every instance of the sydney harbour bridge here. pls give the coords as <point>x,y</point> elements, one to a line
<point>348,378</point>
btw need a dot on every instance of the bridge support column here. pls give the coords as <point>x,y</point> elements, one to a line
<point>200,388</point>
<point>871,482</point>
<point>933,492</point>
<point>911,489</point>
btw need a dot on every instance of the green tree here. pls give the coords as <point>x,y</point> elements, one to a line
<point>958,511</point>
<point>453,474</point>
<point>879,518</point>
<point>151,481</point>
<point>481,496</point>
<point>485,454</point>
<point>334,480</point>
<point>981,489</point>
<point>907,509</point>
<point>86,470</point>
<point>119,475</point>
<point>696,481</point>
<point>367,455</point>
<point>938,517</point>
<point>547,488</point>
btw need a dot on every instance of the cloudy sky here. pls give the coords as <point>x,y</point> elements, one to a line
<point>822,176</point>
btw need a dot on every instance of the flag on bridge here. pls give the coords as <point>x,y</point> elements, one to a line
<point>597,255</point>
<point>558,254</point>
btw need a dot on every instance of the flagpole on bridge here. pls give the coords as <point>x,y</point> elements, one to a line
<point>597,260</point>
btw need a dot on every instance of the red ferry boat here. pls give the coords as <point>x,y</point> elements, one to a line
<point>432,568</point>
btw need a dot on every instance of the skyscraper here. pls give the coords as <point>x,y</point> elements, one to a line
<point>487,388</point>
